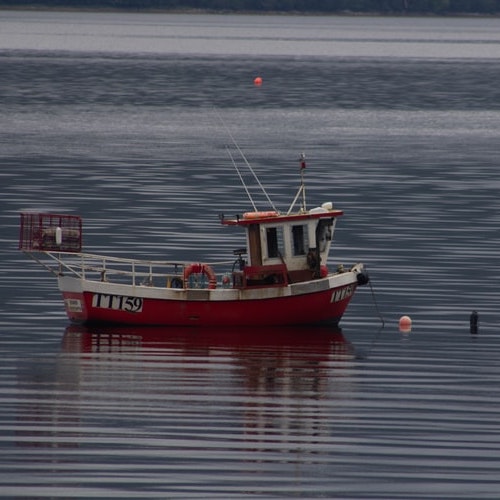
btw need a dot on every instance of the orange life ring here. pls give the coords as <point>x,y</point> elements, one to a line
<point>260,215</point>
<point>323,271</point>
<point>200,269</point>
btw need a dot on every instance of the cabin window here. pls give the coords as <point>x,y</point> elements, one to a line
<point>324,233</point>
<point>299,240</point>
<point>274,236</point>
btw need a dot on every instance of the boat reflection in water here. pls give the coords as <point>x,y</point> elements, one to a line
<point>287,362</point>
<point>131,400</point>
<point>179,407</point>
<point>324,341</point>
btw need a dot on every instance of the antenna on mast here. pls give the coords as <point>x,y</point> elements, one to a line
<point>302,183</point>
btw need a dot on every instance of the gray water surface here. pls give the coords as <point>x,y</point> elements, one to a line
<point>125,120</point>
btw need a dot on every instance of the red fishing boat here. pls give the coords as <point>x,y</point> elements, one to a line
<point>279,278</point>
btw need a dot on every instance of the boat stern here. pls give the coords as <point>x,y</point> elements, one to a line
<point>74,300</point>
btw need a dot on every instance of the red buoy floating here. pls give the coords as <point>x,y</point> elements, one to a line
<point>405,324</point>
<point>257,81</point>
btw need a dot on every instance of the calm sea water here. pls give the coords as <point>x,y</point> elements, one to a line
<point>125,119</point>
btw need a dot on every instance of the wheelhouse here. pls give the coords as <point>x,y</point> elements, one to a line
<point>297,243</point>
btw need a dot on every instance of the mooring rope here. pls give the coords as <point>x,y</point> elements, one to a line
<point>375,303</point>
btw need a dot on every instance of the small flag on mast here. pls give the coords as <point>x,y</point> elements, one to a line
<point>302,161</point>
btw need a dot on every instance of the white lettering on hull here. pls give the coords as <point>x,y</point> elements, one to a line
<point>342,293</point>
<point>73,305</point>
<point>117,302</point>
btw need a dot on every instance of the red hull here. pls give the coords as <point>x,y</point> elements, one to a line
<point>313,308</point>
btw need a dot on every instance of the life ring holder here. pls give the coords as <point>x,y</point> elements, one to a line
<point>200,269</point>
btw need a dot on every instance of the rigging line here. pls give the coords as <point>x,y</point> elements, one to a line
<point>366,354</point>
<point>241,178</point>
<point>295,200</point>
<point>379,331</point>
<point>245,160</point>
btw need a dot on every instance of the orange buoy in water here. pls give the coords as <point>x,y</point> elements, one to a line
<point>405,324</point>
<point>257,81</point>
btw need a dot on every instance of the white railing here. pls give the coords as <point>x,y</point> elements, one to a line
<point>121,270</point>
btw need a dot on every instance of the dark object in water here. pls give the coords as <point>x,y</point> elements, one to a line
<point>474,320</point>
